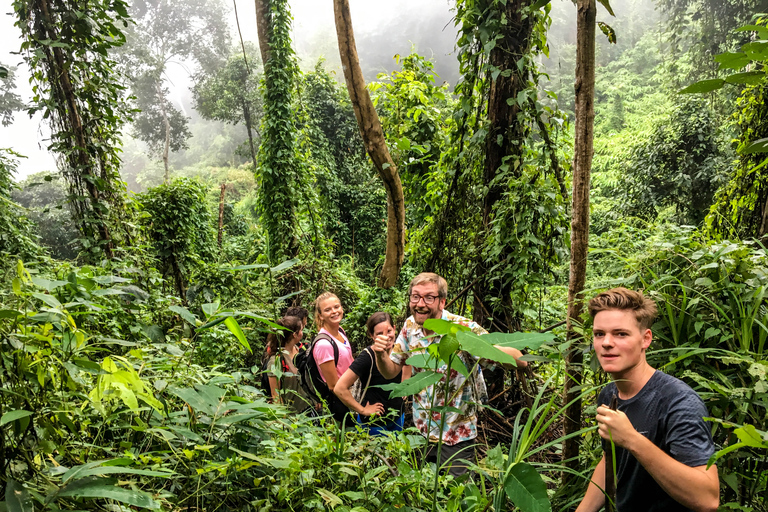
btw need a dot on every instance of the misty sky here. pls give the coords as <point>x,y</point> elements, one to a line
<point>314,36</point>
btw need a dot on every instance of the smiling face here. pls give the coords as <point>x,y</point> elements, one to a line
<point>384,329</point>
<point>331,312</point>
<point>619,342</point>
<point>420,310</point>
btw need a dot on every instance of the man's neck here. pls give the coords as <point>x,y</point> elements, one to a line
<point>631,381</point>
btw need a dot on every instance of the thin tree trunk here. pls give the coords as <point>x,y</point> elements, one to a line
<point>375,145</point>
<point>167,144</point>
<point>262,28</point>
<point>247,117</point>
<point>221,212</point>
<point>582,164</point>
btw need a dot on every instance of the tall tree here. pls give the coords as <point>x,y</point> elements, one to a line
<point>278,169</point>
<point>375,145</point>
<point>586,12</point>
<point>169,31</point>
<point>66,45</point>
<point>10,102</point>
<point>231,94</point>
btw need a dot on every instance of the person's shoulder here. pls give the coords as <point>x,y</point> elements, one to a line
<point>674,393</point>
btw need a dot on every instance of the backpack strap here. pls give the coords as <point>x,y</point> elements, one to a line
<point>370,374</point>
<point>332,341</point>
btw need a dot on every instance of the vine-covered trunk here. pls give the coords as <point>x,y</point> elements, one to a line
<point>221,214</point>
<point>249,129</point>
<point>582,164</point>
<point>375,145</point>
<point>504,155</point>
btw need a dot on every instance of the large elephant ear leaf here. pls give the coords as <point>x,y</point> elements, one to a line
<point>479,347</point>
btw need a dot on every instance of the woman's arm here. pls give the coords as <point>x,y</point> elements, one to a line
<point>341,389</point>
<point>274,387</point>
<point>328,371</point>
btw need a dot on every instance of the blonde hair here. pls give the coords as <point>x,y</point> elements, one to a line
<point>623,299</point>
<point>430,277</point>
<point>320,298</point>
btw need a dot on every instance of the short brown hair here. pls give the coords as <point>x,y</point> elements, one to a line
<point>623,299</point>
<point>430,277</point>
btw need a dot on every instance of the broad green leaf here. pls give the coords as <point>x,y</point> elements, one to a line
<point>48,299</point>
<point>732,60</point>
<point>421,361</point>
<point>47,284</point>
<point>519,340</point>
<point>526,489</point>
<point>283,298</point>
<point>14,415</point>
<point>756,50</point>
<point>9,313</point>
<point>479,347</point>
<point>102,467</point>
<point>762,31</point>
<point>442,327</point>
<point>17,498</point>
<point>245,267</point>
<point>608,31</point>
<point>184,313</point>
<point>415,384</point>
<point>748,77</point>
<point>234,328</point>
<point>254,316</point>
<point>330,499</point>
<point>284,266</point>
<point>104,488</point>
<point>749,435</point>
<point>111,279</point>
<point>210,309</point>
<point>703,86</point>
<point>447,347</point>
<point>758,146</point>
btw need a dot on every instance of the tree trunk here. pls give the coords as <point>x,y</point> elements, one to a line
<point>248,128</point>
<point>262,28</point>
<point>582,164</point>
<point>503,146</point>
<point>221,212</point>
<point>79,160</point>
<point>375,145</point>
<point>167,144</point>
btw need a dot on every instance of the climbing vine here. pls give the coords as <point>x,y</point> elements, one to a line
<point>66,45</point>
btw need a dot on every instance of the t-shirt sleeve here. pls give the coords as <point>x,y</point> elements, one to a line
<point>361,366</point>
<point>400,350</point>
<point>323,352</point>
<point>689,439</point>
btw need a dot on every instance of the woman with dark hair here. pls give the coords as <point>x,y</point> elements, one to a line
<point>376,410</point>
<point>282,346</point>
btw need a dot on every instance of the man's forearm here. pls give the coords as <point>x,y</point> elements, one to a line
<point>594,499</point>
<point>514,353</point>
<point>694,487</point>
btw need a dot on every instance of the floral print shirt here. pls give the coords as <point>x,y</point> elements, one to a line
<point>458,427</point>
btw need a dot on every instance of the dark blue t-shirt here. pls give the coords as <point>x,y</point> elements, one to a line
<point>669,413</point>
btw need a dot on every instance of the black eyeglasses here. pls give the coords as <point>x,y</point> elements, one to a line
<point>428,299</point>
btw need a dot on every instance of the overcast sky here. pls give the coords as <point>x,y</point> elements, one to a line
<point>313,21</point>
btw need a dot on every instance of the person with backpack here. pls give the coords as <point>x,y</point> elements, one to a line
<point>282,374</point>
<point>375,409</point>
<point>331,351</point>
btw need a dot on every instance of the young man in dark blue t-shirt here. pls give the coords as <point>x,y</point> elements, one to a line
<point>661,440</point>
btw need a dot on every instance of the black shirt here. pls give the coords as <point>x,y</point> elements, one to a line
<point>364,365</point>
<point>670,414</point>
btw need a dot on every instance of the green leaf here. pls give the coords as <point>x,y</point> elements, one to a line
<point>415,384</point>
<point>103,467</point>
<point>762,31</point>
<point>608,31</point>
<point>442,327</point>
<point>210,309</point>
<point>47,284</point>
<point>284,266</point>
<point>245,267</point>
<point>703,86</point>
<point>526,489</point>
<point>447,347</point>
<point>48,299</point>
<point>17,498</point>
<point>104,488</point>
<point>730,60</point>
<point>748,77</point>
<point>14,415</point>
<point>519,340</point>
<point>9,313</point>
<point>607,6</point>
<point>479,347</point>
<point>758,146</point>
<point>234,328</point>
<point>184,313</point>
<point>749,435</point>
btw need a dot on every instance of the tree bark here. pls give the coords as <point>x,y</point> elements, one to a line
<point>247,118</point>
<point>582,164</point>
<point>262,28</point>
<point>375,145</point>
<point>503,146</point>
<point>167,143</point>
<point>221,213</point>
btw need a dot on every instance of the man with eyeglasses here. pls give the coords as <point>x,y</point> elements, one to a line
<point>427,295</point>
